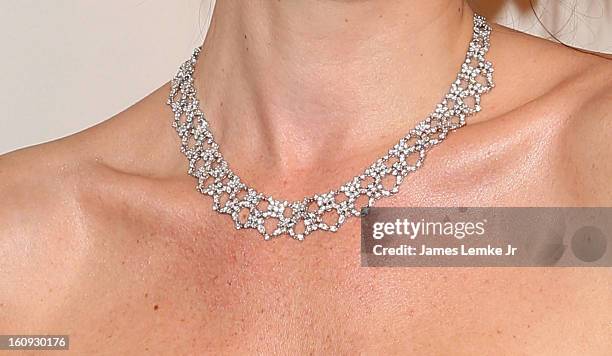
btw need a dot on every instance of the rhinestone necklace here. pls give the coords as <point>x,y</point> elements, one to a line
<point>328,211</point>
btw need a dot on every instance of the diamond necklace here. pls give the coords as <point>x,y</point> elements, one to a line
<point>328,211</point>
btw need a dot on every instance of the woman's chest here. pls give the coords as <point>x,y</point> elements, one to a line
<point>177,276</point>
<point>223,291</point>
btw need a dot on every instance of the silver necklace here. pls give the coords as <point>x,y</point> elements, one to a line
<point>328,211</point>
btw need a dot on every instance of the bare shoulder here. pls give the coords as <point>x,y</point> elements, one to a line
<point>38,222</point>
<point>589,152</point>
<point>43,226</point>
<point>572,90</point>
<point>38,184</point>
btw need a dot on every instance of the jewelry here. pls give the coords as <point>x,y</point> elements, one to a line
<point>328,211</point>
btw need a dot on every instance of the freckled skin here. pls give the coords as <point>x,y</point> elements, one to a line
<point>110,243</point>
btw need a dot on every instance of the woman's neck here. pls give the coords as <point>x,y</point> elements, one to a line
<point>292,80</point>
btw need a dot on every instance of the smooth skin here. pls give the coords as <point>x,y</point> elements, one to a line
<point>103,236</point>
